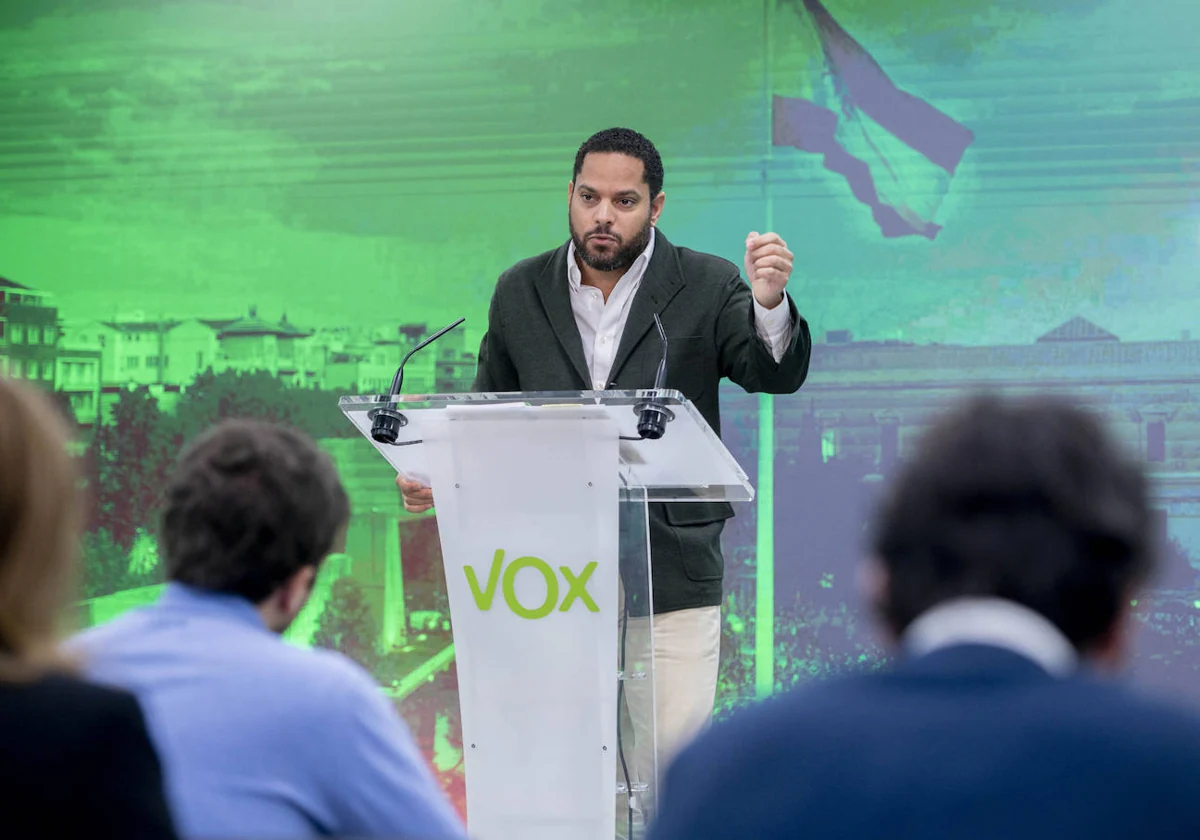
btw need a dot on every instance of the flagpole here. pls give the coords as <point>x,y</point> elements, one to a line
<point>764,613</point>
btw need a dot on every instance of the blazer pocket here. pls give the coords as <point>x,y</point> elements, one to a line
<point>697,529</point>
<point>696,513</point>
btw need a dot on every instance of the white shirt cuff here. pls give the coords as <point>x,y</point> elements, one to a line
<point>774,326</point>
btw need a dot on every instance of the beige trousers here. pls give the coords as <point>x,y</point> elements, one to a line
<point>687,648</point>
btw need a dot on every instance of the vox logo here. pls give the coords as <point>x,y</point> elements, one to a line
<point>505,577</point>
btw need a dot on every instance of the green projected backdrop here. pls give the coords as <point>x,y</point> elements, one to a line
<point>217,208</point>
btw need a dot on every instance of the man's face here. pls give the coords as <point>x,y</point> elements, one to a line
<point>610,211</point>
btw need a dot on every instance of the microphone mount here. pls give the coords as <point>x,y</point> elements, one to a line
<point>653,416</point>
<point>387,421</point>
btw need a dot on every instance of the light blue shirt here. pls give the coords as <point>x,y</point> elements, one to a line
<point>262,739</point>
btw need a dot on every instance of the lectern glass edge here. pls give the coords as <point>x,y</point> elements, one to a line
<point>735,487</point>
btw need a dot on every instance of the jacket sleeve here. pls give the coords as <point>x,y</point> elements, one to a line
<point>495,371</point>
<point>745,358</point>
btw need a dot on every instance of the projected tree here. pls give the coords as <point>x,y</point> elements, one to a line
<point>347,626</point>
<point>127,467</point>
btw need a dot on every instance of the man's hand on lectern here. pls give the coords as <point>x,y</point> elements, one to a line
<point>417,497</point>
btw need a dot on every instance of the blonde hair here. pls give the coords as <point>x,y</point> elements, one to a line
<point>39,529</point>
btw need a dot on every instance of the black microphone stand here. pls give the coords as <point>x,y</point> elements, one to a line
<point>653,415</point>
<point>386,421</point>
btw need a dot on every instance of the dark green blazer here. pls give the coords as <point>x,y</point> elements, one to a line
<point>533,344</point>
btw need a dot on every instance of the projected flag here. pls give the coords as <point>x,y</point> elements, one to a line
<point>898,153</point>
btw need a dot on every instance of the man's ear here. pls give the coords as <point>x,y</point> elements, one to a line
<point>871,580</point>
<point>1114,649</point>
<point>656,207</point>
<point>298,589</point>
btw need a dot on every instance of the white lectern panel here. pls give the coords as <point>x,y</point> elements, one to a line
<point>527,509</point>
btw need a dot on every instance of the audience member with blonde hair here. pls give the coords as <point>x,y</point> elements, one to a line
<point>75,759</point>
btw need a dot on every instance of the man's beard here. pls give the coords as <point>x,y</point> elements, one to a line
<point>621,257</point>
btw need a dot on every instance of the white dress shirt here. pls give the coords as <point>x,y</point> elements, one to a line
<point>996,622</point>
<point>602,323</point>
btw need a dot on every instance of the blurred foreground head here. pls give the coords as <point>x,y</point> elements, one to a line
<point>252,510</point>
<point>39,527</point>
<point>1029,500</point>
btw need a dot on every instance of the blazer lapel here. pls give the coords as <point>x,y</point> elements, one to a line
<point>555,294</point>
<point>661,283</point>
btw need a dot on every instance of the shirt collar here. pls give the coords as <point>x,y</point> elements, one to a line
<point>996,622</point>
<point>575,276</point>
<point>181,598</point>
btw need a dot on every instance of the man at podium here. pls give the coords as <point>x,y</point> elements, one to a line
<point>581,317</point>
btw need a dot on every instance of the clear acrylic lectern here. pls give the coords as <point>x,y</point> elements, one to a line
<point>541,501</point>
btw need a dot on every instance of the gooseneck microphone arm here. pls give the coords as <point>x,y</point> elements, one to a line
<point>398,379</point>
<point>386,421</point>
<point>653,416</point>
<point>661,374</point>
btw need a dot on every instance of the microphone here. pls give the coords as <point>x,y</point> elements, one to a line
<point>386,421</point>
<point>653,416</point>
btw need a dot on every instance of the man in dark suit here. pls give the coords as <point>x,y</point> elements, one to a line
<point>1007,555</point>
<point>580,317</point>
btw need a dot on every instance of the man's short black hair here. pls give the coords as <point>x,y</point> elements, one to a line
<point>249,504</point>
<point>1030,500</point>
<point>625,141</point>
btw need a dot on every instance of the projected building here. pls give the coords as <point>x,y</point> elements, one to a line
<point>28,334</point>
<point>866,402</point>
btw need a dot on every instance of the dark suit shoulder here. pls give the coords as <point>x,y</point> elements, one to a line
<point>521,275</point>
<point>697,263</point>
<point>773,725</point>
<point>844,719</point>
<point>72,714</point>
<point>74,755</point>
<point>81,703</point>
<point>951,754</point>
<point>1148,723</point>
